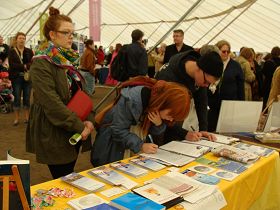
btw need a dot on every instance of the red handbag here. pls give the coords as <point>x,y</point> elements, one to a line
<point>81,104</point>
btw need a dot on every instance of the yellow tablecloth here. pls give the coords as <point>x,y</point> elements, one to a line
<point>256,188</point>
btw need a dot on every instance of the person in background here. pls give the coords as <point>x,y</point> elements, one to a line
<point>257,85</point>
<point>274,94</point>
<point>55,81</point>
<point>100,56</point>
<point>87,66</point>
<point>109,56</point>
<point>109,80</point>
<point>158,57</point>
<point>150,107</point>
<point>177,47</point>
<point>19,62</point>
<point>229,87</point>
<point>137,59</point>
<point>244,59</point>
<point>196,72</point>
<point>269,67</point>
<point>4,52</point>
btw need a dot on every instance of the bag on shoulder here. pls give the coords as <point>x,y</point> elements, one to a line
<point>119,70</point>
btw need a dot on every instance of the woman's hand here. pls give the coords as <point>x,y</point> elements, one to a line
<point>149,148</point>
<point>209,136</point>
<point>154,117</point>
<point>193,136</point>
<point>87,130</point>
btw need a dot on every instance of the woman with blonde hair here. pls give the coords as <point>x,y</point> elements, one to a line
<point>159,57</point>
<point>152,105</point>
<point>19,63</point>
<point>245,58</point>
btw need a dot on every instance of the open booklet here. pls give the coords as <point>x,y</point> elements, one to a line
<point>169,157</point>
<point>185,148</point>
<point>24,171</point>
<point>234,153</point>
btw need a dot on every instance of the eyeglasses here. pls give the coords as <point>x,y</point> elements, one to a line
<point>225,51</point>
<point>66,33</point>
<point>205,81</point>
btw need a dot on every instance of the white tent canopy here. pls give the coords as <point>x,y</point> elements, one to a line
<point>251,23</point>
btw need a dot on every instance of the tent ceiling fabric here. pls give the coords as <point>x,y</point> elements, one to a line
<point>258,27</point>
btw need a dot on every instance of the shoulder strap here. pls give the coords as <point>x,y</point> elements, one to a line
<point>18,55</point>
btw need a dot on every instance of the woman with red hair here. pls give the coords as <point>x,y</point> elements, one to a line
<point>145,106</point>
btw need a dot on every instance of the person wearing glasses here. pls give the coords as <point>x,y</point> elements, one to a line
<point>229,87</point>
<point>196,72</point>
<point>55,81</point>
<point>177,47</point>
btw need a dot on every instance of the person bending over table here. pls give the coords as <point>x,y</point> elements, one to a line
<point>139,111</point>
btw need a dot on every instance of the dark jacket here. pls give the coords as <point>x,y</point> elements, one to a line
<point>175,71</point>
<point>231,87</point>
<point>114,135</point>
<point>16,67</point>
<point>51,123</point>
<point>137,60</point>
<point>4,51</point>
<point>172,50</point>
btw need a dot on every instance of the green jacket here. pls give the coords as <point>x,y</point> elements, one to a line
<point>51,122</point>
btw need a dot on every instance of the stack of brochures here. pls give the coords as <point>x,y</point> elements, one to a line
<point>129,169</point>
<point>148,163</point>
<point>112,177</point>
<point>159,195</point>
<point>234,153</point>
<point>84,183</point>
<point>203,178</point>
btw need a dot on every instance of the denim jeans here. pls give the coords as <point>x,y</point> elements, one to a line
<point>90,82</point>
<point>19,86</point>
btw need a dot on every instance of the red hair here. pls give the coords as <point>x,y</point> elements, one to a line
<point>164,95</point>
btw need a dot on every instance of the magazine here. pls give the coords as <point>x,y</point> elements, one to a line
<point>184,148</point>
<point>226,175</point>
<point>234,153</point>
<point>112,177</point>
<point>148,163</point>
<point>129,169</point>
<point>258,150</point>
<point>84,183</point>
<point>225,139</point>
<point>225,164</point>
<point>131,201</point>
<point>202,169</point>
<point>203,178</point>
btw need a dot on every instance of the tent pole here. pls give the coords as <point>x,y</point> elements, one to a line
<point>155,30</point>
<point>253,1</point>
<point>211,29</point>
<point>35,22</point>
<point>118,35</point>
<point>175,25</point>
<point>191,25</point>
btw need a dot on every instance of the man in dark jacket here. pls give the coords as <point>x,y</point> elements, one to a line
<point>177,47</point>
<point>196,73</point>
<point>137,58</point>
<point>4,51</point>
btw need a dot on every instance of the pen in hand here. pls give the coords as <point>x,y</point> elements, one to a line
<point>151,138</point>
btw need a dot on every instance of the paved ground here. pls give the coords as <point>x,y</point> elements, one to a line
<point>13,138</point>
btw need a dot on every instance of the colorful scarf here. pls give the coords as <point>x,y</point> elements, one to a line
<point>62,57</point>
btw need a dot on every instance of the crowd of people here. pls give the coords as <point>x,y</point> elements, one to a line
<point>153,102</point>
